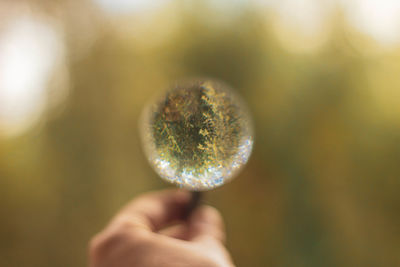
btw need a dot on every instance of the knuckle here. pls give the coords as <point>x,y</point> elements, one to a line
<point>117,236</point>
<point>102,245</point>
<point>214,214</point>
<point>96,246</point>
<point>218,235</point>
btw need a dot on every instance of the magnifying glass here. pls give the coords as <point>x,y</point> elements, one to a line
<point>197,135</point>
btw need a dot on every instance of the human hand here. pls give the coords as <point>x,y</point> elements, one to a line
<point>151,231</point>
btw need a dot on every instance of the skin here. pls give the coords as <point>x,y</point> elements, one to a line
<point>151,231</point>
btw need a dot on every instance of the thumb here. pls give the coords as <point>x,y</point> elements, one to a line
<point>206,224</point>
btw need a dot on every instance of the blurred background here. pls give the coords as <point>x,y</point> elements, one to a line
<point>321,78</point>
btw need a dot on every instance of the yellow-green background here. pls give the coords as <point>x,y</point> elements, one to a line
<point>322,185</point>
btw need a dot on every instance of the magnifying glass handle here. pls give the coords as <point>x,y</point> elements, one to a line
<point>195,200</point>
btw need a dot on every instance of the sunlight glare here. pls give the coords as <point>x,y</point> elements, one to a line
<point>29,50</point>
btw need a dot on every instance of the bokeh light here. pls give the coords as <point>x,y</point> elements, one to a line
<point>302,25</point>
<point>30,51</point>
<point>130,6</point>
<point>378,19</point>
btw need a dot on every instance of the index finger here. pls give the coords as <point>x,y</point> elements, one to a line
<point>152,211</point>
